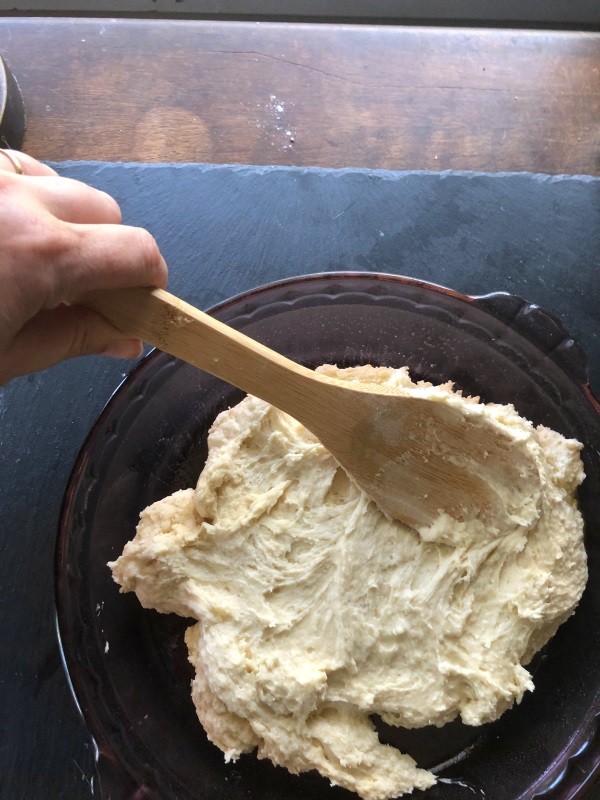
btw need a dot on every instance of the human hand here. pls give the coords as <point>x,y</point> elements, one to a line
<point>60,240</point>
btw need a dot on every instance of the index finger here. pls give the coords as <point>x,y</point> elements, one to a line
<point>31,166</point>
<point>104,257</point>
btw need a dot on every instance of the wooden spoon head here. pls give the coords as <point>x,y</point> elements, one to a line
<point>422,458</point>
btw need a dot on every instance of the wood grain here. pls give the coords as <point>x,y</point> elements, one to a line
<point>308,94</point>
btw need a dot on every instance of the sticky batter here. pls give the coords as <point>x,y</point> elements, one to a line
<point>315,611</point>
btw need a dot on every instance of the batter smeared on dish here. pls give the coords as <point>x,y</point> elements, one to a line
<point>316,611</point>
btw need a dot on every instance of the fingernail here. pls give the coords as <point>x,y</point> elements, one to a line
<point>165,276</point>
<point>124,348</point>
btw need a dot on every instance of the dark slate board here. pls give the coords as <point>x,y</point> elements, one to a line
<point>224,230</point>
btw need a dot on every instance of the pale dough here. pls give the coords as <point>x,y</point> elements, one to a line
<point>315,611</point>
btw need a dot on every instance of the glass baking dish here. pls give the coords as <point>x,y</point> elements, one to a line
<point>128,666</point>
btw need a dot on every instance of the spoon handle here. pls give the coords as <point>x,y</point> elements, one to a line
<point>163,320</point>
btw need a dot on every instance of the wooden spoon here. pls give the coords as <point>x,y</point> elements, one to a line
<point>415,457</point>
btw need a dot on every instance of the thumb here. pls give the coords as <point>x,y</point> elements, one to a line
<point>63,332</point>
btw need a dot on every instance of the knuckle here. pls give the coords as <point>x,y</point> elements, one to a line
<point>33,244</point>
<point>81,340</point>
<point>52,250</point>
<point>53,240</point>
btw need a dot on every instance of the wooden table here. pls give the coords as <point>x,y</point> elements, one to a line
<point>305,95</point>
